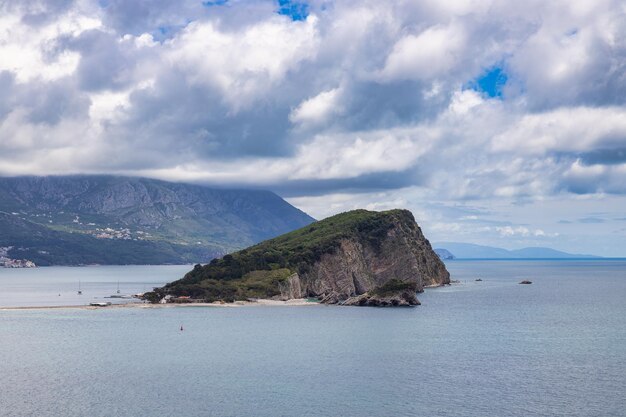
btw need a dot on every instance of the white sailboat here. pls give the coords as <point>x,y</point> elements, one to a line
<point>118,293</point>
<point>79,290</point>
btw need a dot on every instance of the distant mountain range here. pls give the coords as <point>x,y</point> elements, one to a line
<point>72,220</point>
<point>471,251</point>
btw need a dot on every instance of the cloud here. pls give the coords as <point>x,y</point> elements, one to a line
<point>523,231</point>
<point>32,53</point>
<point>576,55</point>
<point>360,88</point>
<point>318,109</point>
<point>426,55</point>
<point>572,129</point>
<point>467,103</point>
<point>591,220</point>
<point>604,156</point>
<point>584,179</point>
<point>245,65</point>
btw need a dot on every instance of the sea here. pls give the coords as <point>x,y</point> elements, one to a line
<point>493,347</point>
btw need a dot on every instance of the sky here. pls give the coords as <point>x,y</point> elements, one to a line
<point>495,122</point>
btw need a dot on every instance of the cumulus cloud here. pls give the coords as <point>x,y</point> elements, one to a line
<point>431,53</point>
<point>571,129</point>
<point>243,65</point>
<point>32,53</point>
<point>318,109</point>
<point>521,231</point>
<point>334,98</point>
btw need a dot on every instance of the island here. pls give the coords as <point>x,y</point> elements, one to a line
<point>444,254</point>
<point>360,257</point>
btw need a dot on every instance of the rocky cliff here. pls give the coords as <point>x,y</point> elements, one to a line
<point>356,258</point>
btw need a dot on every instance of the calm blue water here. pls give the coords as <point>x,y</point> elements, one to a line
<point>492,348</point>
<point>58,286</point>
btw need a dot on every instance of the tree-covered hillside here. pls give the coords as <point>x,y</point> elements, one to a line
<point>259,270</point>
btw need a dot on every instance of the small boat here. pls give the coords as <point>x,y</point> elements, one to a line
<point>478,279</point>
<point>96,304</point>
<point>79,290</point>
<point>526,282</point>
<point>118,287</point>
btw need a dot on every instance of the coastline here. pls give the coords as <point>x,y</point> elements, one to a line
<point>436,285</point>
<point>262,302</point>
<point>298,302</point>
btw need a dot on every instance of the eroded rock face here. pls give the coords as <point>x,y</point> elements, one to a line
<point>290,289</point>
<point>400,299</point>
<point>358,257</point>
<point>356,268</point>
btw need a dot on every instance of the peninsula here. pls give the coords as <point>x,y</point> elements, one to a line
<point>359,257</point>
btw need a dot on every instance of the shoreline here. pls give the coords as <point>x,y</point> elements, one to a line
<point>262,302</point>
<point>298,302</point>
<point>436,285</point>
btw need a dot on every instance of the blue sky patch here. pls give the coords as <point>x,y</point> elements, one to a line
<point>214,3</point>
<point>295,9</point>
<point>491,82</point>
<point>163,33</point>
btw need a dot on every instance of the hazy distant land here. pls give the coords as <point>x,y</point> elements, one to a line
<point>471,251</point>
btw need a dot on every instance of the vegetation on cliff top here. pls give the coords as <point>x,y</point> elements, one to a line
<point>252,272</point>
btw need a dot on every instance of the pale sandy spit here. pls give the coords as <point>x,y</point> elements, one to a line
<point>139,305</point>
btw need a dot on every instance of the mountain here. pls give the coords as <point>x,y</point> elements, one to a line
<point>547,253</point>
<point>120,220</point>
<point>22,239</point>
<point>471,251</point>
<point>358,257</point>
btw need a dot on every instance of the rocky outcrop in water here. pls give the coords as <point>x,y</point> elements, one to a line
<point>394,293</point>
<point>357,267</point>
<point>354,258</point>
